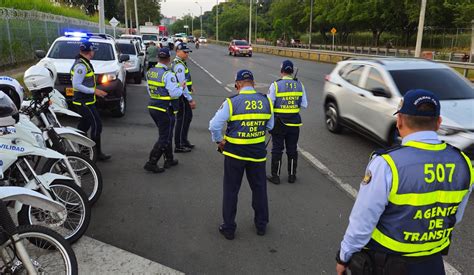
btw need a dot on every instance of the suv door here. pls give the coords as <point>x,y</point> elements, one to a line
<point>375,108</point>
<point>350,91</point>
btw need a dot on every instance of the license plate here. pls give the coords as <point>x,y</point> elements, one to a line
<point>69,92</point>
<point>244,51</point>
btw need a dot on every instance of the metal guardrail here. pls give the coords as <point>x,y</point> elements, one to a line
<point>336,56</point>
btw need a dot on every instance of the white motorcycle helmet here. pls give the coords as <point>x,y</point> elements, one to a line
<point>50,66</point>
<point>8,111</point>
<point>13,89</point>
<point>39,80</point>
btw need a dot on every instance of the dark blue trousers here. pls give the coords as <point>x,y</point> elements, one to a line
<point>183,122</point>
<point>233,173</point>
<point>288,137</point>
<point>165,123</point>
<point>90,120</point>
<point>433,266</point>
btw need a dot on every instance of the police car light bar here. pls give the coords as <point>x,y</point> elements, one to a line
<point>77,34</point>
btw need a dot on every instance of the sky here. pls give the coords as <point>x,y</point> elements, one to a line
<point>180,7</point>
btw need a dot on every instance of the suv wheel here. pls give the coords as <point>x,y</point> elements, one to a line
<point>332,117</point>
<point>120,107</point>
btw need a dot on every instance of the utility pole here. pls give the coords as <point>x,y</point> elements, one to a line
<point>471,59</point>
<point>131,22</point>
<point>421,26</point>
<point>250,22</point>
<point>217,20</point>
<point>101,17</point>
<point>201,16</point>
<point>136,16</point>
<point>256,19</point>
<point>310,24</point>
<point>126,17</point>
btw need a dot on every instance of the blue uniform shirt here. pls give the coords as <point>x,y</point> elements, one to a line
<point>78,77</point>
<point>181,76</point>
<point>373,198</point>
<point>271,93</point>
<point>222,116</point>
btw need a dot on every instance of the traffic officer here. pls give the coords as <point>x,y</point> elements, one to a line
<point>85,92</point>
<point>248,115</point>
<point>186,102</point>
<point>164,91</point>
<point>410,199</point>
<point>288,96</point>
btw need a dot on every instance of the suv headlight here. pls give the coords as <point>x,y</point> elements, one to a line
<point>108,77</point>
<point>39,140</point>
<point>447,130</point>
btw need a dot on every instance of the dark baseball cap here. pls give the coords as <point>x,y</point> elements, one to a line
<point>287,67</point>
<point>87,46</point>
<point>412,100</point>
<point>244,75</point>
<point>164,53</point>
<point>183,47</point>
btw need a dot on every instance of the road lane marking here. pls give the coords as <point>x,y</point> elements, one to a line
<point>352,192</point>
<point>228,89</point>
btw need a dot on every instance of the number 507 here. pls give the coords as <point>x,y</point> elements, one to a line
<point>439,172</point>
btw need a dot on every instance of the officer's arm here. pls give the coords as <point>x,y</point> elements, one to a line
<point>218,121</point>
<point>462,205</point>
<point>271,93</point>
<point>181,76</point>
<point>369,206</point>
<point>172,85</point>
<point>304,100</point>
<point>271,121</point>
<point>78,78</point>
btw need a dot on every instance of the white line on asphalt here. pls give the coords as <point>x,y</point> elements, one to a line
<point>228,89</point>
<point>274,75</point>
<point>352,192</point>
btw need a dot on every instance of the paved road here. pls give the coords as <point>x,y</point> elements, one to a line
<point>172,218</point>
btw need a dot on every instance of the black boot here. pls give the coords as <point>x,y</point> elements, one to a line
<point>276,167</point>
<point>100,155</point>
<point>169,159</point>
<point>292,164</point>
<point>152,163</point>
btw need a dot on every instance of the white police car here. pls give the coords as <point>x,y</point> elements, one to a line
<point>108,65</point>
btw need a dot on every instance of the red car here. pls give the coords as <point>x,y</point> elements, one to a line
<point>240,47</point>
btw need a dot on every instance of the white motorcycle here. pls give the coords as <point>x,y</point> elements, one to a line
<point>68,141</point>
<point>19,146</point>
<point>32,249</point>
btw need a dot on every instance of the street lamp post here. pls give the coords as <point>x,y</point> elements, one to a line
<point>192,22</point>
<point>136,16</point>
<point>310,25</point>
<point>101,17</point>
<point>256,19</point>
<point>217,20</point>
<point>126,17</point>
<point>201,15</point>
<point>421,25</point>
<point>250,22</point>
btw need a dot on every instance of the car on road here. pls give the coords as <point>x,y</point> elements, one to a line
<point>364,94</point>
<point>136,65</point>
<point>202,40</point>
<point>181,37</point>
<point>240,47</point>
<point>165,42</point>
<point>148,37</point>
<point>108,63</point>
<point>136,37</point>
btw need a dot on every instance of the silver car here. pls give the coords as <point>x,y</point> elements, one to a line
<point>136,65</point>
<point>364,94</point>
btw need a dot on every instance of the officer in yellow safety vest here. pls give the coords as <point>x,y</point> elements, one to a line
<point>410,199</point>
<point>248,115</point>
<point>289,96</point>
<point>164,91</point>
<point>85,92</point>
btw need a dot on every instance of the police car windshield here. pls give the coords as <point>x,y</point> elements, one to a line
<point>70,49</point>
<point>150,37</point>
<point>127,48</point>
<point>446,84</point>
<point>241,43</point>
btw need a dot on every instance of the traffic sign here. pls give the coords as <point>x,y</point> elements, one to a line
<point>113,22</point>
<point>186,26</point>
<point>333,30</point>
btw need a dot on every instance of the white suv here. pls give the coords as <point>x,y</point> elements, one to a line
<point>364,94</point>
<point>107,62</point>
<point>136,65</point>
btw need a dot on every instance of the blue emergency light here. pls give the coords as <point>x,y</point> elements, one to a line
<point>77,34</point>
